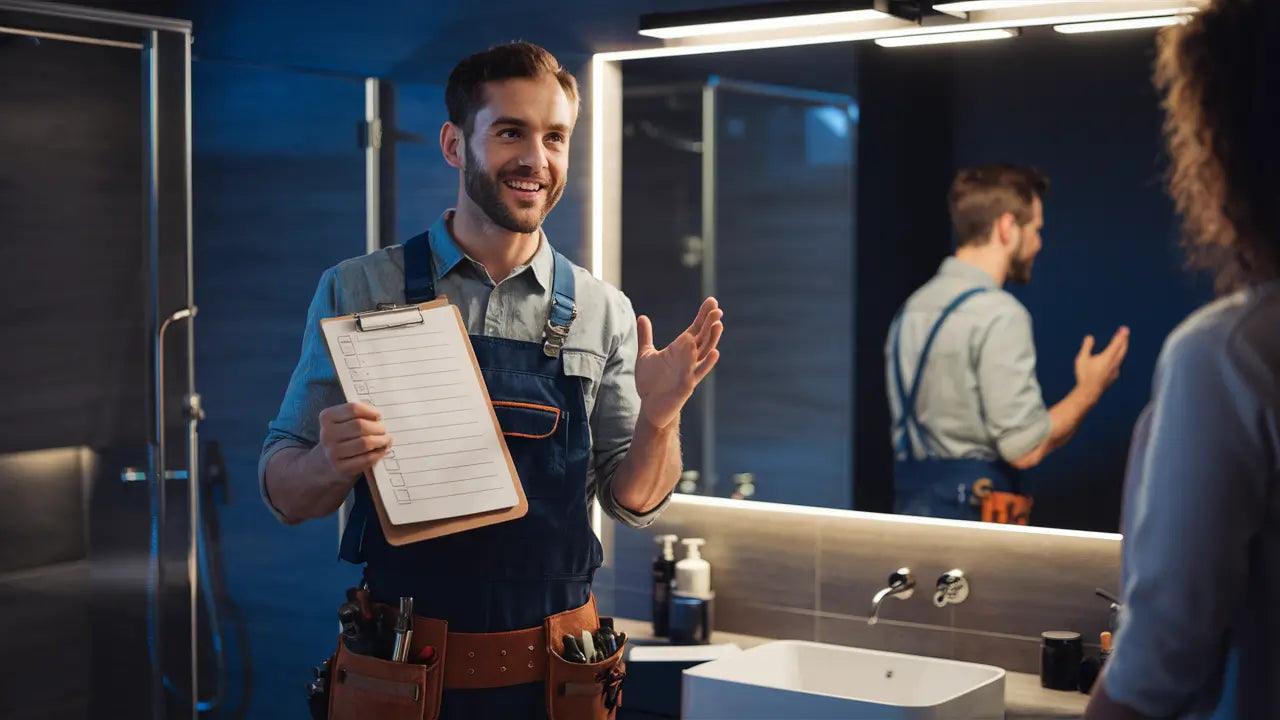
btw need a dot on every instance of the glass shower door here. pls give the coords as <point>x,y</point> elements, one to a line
<point>95,258</point>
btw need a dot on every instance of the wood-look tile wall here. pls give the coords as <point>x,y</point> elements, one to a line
<point>811,577</point>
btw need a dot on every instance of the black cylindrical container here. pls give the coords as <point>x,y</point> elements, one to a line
<point>664,572</point>
<point>1060,655</point>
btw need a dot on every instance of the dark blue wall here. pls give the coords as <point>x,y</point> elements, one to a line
<point>1083,110</point>
<point>279,196</point>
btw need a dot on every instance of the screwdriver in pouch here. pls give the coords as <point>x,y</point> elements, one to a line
<point>572,651</point>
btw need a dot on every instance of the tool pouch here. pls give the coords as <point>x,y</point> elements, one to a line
<point>364,686</point>
<point>578,691</point>
<point>1006,508</point>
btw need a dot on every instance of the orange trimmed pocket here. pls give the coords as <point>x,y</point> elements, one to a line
<point>526,420</point>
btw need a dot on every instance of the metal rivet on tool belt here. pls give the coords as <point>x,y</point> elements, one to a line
<point>471,671</point>
<point>471,654</point>
<point>530,664</point>
<point>504,653</point>
<point>530,648</point>
<point>502,669</point>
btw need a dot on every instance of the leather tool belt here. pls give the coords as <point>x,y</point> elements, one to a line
<point>364,686</point>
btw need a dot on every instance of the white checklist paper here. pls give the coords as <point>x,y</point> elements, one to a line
<point>448,458</point>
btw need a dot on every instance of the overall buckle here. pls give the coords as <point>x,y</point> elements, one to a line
<point>553,337</point>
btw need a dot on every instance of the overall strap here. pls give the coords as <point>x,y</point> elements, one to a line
<point>419,270</point>
<point>564,307</point>
<point>907,397</point>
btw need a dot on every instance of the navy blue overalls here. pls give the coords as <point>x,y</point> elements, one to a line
<point>934,486</point>
<point>511,575</point>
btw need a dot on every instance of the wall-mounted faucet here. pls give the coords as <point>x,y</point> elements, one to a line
<point>953,588</point>
<point>902,584</point>
<point>1116,608</point>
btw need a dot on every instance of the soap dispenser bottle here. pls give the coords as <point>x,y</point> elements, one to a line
<point>664,574</point>
<point>693,573</point>
<point>691,600</point>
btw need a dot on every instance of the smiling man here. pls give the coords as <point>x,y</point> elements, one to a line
<point>547,335</point>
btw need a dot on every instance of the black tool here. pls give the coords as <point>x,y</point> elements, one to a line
<point>607,640</point>
<point>357,635</point>
<point>573,652</point>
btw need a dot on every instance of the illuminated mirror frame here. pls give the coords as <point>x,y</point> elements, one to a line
<point>605,220</point>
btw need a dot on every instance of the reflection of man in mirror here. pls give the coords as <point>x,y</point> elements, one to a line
<point>548,337</point>
<point>968,414</point>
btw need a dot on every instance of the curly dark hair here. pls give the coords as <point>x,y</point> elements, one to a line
<point>1220,79</point>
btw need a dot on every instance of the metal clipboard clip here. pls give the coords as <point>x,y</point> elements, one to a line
<point>388,316</point>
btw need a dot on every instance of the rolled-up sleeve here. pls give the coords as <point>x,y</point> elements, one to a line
<point>1197,497</point>
<point>312,388</point>
<point>1012,403</point>
<point>613,418</point>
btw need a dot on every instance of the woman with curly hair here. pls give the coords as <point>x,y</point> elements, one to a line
<point>1200,629</point>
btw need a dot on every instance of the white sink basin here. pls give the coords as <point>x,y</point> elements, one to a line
<point>797,679</point>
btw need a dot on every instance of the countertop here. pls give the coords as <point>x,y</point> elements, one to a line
<point>1024,699</point>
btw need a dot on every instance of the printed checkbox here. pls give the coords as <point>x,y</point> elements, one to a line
<point>362,388</point>
<point>353,361</point>
<point>391,464</point>
<point>397,480</point>
<point>348,347</point>
<point>402,496</point>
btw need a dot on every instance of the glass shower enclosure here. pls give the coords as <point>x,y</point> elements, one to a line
<point>745,191</point>
<point>98,434</point>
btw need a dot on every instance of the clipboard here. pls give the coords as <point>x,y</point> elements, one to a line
<point>406,533</point>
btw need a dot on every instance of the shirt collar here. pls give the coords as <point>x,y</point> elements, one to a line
<point>448,254</point>
<point>956,268</point>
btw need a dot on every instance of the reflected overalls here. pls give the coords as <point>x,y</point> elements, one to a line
<point>934,486</point>
<point>511,575</point>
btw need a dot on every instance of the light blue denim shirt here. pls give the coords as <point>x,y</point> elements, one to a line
<point>600,348</point>
<point>1200,632</point>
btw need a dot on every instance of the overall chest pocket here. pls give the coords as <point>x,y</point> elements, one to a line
<point>535,434</point>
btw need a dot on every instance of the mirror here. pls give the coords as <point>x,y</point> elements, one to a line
<point>806,188</point>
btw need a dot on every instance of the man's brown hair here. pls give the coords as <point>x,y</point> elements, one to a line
<point>1220,75</point>
<point>464,95</point>
<point>980,195</point>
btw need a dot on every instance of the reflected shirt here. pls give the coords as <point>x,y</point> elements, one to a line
<point>1200,626</point>
<point>600,349</point>
<point>979,397</point>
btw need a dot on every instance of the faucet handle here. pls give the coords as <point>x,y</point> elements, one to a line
<point>903,580</point>
<point>953,588</point>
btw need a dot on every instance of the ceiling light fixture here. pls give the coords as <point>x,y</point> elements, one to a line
<point>764,16</point>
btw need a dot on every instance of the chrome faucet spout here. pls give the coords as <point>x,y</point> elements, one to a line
<point>902,585</point>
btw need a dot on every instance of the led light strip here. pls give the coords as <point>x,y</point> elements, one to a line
<point>944,38</point>
<point>1112,25</point>
<point>770,23</point>
<point>979,5</point>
